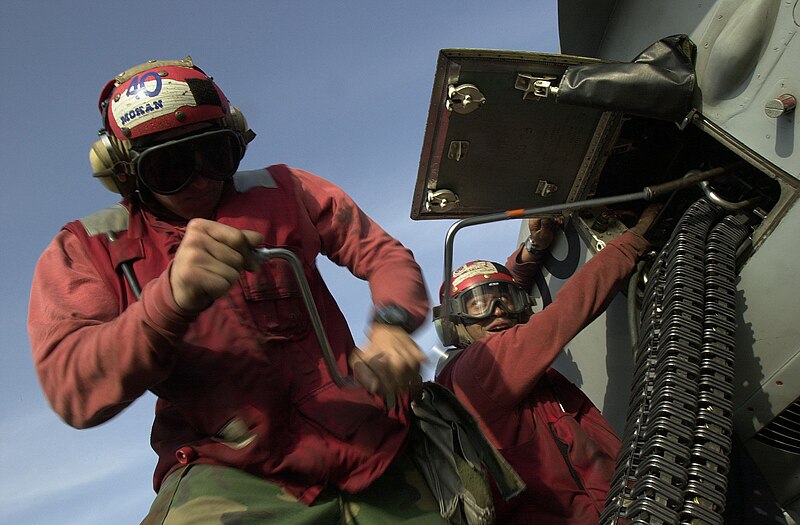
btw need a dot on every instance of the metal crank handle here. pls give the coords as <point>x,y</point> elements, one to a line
<point>265,254</point>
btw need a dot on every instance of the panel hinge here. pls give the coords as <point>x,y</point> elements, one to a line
<point>541,87</point>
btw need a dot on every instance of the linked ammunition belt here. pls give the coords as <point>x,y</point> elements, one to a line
<point>674,460</point>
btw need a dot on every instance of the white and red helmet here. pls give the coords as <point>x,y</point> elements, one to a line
<point>475,273</point>
<point>477,290</point>
<point>158,96</point>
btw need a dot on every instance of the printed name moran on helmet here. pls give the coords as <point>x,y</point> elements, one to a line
<point>141,110</point>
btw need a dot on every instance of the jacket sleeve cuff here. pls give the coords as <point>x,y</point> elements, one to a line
<point>162,313</point>
<point>638,244</point>
<point>523,272</point>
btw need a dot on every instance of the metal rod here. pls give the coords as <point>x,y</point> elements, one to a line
<point>127,270</point>
<point>691,177</point>
<point>264,254</point>
<point>648,193</point>
<point>726,204</point>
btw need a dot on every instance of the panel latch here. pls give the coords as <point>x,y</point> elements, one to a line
<point>464,99</point>
<point>441,201</point>
<point>545,188</point>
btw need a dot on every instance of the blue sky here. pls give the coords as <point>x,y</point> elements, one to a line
<point>338,88</point>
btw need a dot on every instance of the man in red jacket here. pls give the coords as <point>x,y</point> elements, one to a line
<point>546,428</point>
<point>163,292</point>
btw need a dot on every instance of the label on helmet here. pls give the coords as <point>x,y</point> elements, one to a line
<point>149,96</point>
<point>468,271</point>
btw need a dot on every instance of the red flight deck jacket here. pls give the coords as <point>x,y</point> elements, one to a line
<point>243,383</point>
<point>565,457</point>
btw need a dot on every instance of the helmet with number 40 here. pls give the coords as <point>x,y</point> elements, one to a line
<point>151,98</point>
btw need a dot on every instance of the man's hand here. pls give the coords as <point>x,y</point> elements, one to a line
<point>389,364</point>
<point>543,230</point>
<point>208,262</point>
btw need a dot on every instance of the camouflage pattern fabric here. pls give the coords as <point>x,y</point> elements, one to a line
<point>215,495</point>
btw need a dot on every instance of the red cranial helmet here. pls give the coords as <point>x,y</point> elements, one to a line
<point>475,273</point>
<point>160,95</point>
<point>154,97</point>
<point>478,289</point>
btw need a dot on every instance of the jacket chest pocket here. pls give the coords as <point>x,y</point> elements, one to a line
<point>275,302</point>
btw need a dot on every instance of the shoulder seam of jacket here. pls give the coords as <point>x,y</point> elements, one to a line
<point>114,218</point>
<point>246,180</point>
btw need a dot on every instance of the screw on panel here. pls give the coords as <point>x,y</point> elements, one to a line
<point>780,105</point>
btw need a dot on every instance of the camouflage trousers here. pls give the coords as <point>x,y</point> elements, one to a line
<point>215,495</point>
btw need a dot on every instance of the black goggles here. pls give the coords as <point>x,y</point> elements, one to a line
<point>481,301</point>
<point>168,167</point>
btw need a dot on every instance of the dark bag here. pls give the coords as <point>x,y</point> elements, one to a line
<point>660,83</point>
<point>454,456</point>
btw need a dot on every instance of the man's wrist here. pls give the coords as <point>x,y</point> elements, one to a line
<point>531,248</point>
<point>392,315</point>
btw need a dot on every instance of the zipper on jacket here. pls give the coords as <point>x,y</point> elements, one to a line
<point>564,449</point>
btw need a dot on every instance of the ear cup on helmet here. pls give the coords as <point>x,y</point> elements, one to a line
<point>450,333</point>
<point>462,337</point>
<point>437,324</point>
<point>110,163</point>
<point>236,121</point>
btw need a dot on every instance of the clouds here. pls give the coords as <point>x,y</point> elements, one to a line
<point>56,470</point>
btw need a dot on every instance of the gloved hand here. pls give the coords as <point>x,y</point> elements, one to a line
<point>208,262</point>
<point>389,364</point>
<point>543,230</point>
